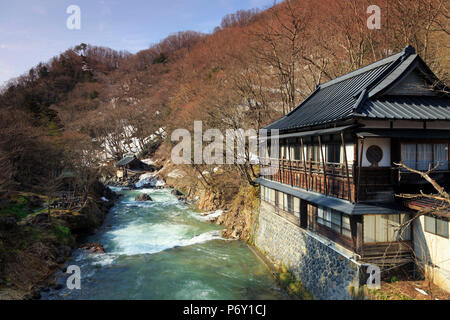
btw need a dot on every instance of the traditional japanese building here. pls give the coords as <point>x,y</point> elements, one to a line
<point>131,164</point>
<point>337,179</point>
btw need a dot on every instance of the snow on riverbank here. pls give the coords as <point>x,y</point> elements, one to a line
<point>211,215</point>
<point>149,179</point>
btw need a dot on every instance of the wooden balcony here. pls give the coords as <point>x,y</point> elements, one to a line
<point>334,179</point>
<point>338,180</point>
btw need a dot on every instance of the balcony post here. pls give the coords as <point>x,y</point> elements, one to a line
<point>323,164</point>
<point>304,163</point>
<point>359,169</point>
<point>289,159</point>
<point>346,167</point>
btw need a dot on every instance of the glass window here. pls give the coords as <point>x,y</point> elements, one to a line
<point>440,151</point>
<point>297,152</point>
<point>346,229</point>
<point>321,215</point>
<point>393,227</point>
<point>297,207</point>
<point>333,153</point>
<point>290,204</point>
<point>438,226</point>
<point>430,224</point>
<point>380,228</point>
<point>442,227</point>
<point>336,221</point>
<point>424,156</point>
<point>409,155</point>
<point>385,228</point>
<point>369,228</point>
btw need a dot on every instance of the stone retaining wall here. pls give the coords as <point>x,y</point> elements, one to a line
<point>325,270</point>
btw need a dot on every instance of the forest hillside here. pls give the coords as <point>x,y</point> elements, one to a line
<point>87,107</point>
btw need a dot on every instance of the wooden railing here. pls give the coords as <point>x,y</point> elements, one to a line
<point>334,179</point>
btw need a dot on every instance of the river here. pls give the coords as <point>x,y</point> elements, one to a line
<point>165,250</point>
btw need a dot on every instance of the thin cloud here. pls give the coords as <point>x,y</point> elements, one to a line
<point>39,10</point>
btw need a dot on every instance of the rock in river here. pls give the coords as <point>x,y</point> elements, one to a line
<point>176,192</point>
<point>94,247</point>
<point>143,197</point>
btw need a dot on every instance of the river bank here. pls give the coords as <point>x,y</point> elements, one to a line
<point>35,241</point>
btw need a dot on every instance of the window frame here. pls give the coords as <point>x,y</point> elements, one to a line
<point>385,221</point>
<point>328,213</point>
<point>435,219</point>
<point>334,150</point>
<point>433,156</point>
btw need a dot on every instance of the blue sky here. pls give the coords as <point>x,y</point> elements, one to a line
<point>35,31</point>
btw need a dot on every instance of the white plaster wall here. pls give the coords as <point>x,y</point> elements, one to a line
<point>384,144</point>
<point>350,150</point>
<point>435,249</point>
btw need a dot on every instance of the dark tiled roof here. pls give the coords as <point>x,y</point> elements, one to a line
<point>125,160</point>
<point>332,202</point>
<point>356,95</point>
<point>404,133</point>
<point>406,107</point>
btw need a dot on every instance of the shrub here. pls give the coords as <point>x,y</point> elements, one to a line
<point>62,234</point>
<point>18,210</point>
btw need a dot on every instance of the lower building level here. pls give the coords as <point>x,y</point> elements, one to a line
<point>333,240</point>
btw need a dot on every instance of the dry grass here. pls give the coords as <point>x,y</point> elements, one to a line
<point>406,290</point>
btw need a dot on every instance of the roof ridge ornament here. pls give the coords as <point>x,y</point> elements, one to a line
<point>409,50</point>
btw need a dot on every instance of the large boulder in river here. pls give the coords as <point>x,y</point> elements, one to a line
<point>94,247</point>
<point>176,192</point>
<point>143,197</point>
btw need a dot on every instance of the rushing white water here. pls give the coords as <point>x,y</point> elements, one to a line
<point>163,249</point>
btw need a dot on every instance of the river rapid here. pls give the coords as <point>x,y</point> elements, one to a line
<point>164,249</point>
